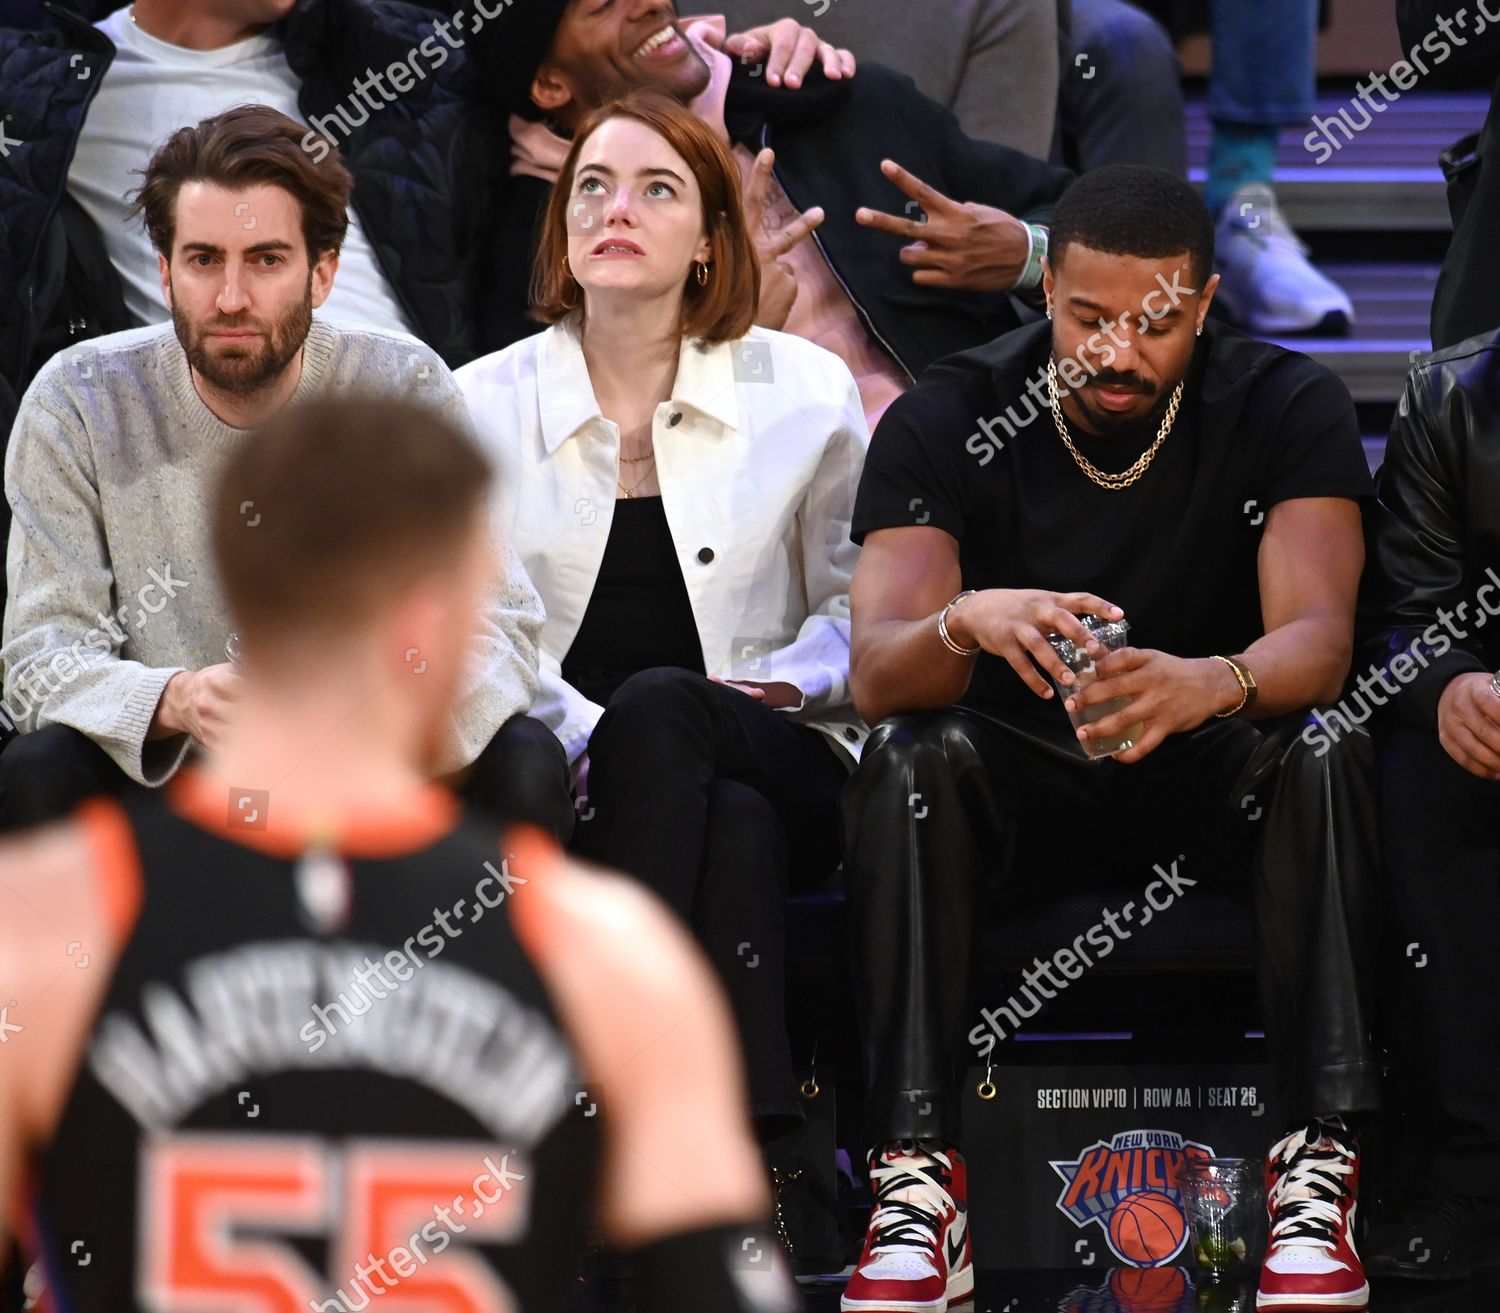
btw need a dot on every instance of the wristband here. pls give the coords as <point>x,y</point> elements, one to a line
<point>1036,251</point>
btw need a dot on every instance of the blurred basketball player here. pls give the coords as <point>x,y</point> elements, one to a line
<point>296,1035</point>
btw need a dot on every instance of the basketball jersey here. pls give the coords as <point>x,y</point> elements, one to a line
<point>308,1090</point>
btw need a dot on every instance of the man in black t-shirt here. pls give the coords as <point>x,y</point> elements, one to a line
<point>1124,461</point>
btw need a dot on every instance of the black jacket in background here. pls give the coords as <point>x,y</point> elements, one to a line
<point>421,164</point>
<point>829,139</point>
<point>1467,300</point>
<point>1433,539</point>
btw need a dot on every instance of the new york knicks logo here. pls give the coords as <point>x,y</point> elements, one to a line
<point>1129,1187</point>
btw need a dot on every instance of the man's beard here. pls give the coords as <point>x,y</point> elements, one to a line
<point>243,371</point>
<point>1127,429</point>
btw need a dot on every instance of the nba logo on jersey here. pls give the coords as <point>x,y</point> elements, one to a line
<point>323,890</point>
<point>1128,1185</point>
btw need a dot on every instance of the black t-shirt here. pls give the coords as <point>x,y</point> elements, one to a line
<point>969,450</point>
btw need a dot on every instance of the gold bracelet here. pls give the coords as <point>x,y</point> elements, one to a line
<point>1247,685</point>
<point>943,628</point>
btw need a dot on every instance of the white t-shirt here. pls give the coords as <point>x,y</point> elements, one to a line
<point>150,91</point>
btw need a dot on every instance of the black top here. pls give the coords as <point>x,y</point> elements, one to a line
<point>639,615</point>
<point>256,1086</point>
<point>1177,550</point>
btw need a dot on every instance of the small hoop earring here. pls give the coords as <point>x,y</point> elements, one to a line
<point>1049,312</point>
<point>701,274</point>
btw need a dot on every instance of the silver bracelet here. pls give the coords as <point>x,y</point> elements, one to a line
<point>1495,683</point>
<point>943,628</point>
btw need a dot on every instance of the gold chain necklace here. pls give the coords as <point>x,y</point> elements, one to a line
<point>1112,482</point>
<point>635,460</point>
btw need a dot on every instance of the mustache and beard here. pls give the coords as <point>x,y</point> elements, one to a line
<point>242,369</point>
<point>1125,427</point>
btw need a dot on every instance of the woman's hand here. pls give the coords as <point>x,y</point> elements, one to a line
<point>778,283</point>
<point>776,694</point>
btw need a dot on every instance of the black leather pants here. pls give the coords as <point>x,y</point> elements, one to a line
<point>950,810</point>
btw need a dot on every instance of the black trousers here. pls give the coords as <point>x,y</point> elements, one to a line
<point>722,806</point>
<point>1440,830</point>
<point>521,776</point>
<point>950,810</point>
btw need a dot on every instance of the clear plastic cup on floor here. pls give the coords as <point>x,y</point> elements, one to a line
<point>1224,1199</point>
<point>1112,635</point>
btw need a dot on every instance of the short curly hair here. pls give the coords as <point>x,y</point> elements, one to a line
<point>1128,209</point>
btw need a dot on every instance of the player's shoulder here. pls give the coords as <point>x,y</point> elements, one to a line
<point>39,860</point>
<point>69,882</point>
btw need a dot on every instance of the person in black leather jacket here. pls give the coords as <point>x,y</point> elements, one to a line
<point>1430,600</point>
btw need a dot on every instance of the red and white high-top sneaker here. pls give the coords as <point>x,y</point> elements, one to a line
<point>917,1255</point>
<point>1312,1192</point>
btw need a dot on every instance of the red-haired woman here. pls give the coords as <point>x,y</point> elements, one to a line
<point>679,485</point>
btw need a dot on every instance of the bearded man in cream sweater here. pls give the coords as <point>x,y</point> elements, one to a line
<point>117,653</point>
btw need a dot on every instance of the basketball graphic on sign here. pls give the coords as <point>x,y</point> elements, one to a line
<point>1147,1228</point>
<point>1128,1186</point>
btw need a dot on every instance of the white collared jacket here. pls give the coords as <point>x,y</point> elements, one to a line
<point>758,453</point>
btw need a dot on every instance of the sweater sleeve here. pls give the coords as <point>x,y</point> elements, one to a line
<point>62,653</point>
<point>1008,87</point>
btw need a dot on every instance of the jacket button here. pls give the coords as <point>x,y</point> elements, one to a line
<point>705,554</point>
<point>675,420</point>
<point>851,733</point>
